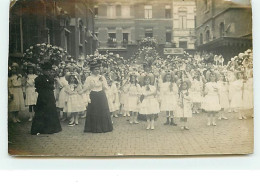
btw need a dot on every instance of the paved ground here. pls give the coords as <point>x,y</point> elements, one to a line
<point>228,137</point>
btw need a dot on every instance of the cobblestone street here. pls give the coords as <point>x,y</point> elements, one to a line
<point>228,137</point>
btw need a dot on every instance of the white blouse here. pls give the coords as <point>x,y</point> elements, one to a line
<point>95,83</point>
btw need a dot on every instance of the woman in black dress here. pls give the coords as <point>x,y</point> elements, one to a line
<point>98,118</point>
<point>46,120</point>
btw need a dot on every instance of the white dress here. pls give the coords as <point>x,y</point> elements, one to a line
<point>73,102</point>
<point>111,97</point>
<point>31,94</point>
<point>211,100</point>
<point>117,102</point>
<point>223,94</point>
<point>196,91</point>
<point>184,106</point>
<point>237,95</point>
<point>150,104</point>
<point>62,95</point>
<point>167,97</point>
<point>248,100</point>
<point>15,88</point>
<point>132,101</point>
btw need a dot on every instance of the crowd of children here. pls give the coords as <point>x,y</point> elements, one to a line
<point>179,86</point>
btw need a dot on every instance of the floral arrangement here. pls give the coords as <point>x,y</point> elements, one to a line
<point>148,42</point>
<point>40,53</point>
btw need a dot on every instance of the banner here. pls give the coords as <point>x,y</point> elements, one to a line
<point>173,51</point>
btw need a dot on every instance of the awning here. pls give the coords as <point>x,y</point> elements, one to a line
<point>226,41</point>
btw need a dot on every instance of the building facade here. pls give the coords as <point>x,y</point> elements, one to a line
<point>184,14</point>
<point>68,24</point>
<point>224,26</point>
<point>121,24</point>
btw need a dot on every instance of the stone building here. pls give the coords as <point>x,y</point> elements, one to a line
<point>68,24</point>
<point>223,26</point>
<point>121,24</point>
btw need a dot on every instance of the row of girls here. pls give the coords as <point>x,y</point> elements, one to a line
<point>180,92</point>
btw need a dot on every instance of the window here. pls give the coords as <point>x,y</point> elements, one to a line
<point>96,11</point>
<point>81,32</point>
<point>125,11</point>
<point>183,44</point>
<point>206,5</point>
<point>183,17</point>
<point>148,32</point>
<point>168,11</point>
<point>16,36</point>
<point>221,30</point>
<point>207,36</point>
<point>111,40</point>
<point>201,38</point>
<point>118,10</point>
<point>111,11</point>
<point>125,37</point>
<point>168,36</point>
<point>67,41</point>
<point>148,11</point>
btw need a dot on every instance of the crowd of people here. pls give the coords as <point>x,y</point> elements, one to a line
<point>100,88</point>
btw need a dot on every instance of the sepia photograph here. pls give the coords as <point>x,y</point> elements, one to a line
<point>110,78</point>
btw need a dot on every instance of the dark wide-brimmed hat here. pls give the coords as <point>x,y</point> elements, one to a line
<point>94,64</point>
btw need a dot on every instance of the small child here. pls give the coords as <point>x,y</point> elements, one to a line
<point>237,101</point>
<point>62,83</point>
<point>184,110</point>
<point>168,98</point>
<point>73,103</point>
<point>211,99</point>
<point>223,96</point>
<point>117,102</point>
<point>133,99</point>
<point>111,96</point>
<point>30,93</point>
<point>196,92</point>
<point>149,104</point>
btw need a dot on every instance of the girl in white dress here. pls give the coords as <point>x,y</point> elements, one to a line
<point>196,92</point>
<point>223,96</point>
<point>248,101</point>
<point>111,96</point>
<point>149,104</point>
<point>168,97</point>
<point>184,109</point>
<point>73,103</point>
<point>30,93</point>
<point>62,83</point>
<point>15,92</point>
<point>133,99</point>
<point>117,101</point>
<point>237,101</point>
<point>211,100</point>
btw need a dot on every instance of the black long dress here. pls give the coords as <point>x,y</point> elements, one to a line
<point>46,119</point>
<point>98,118</point>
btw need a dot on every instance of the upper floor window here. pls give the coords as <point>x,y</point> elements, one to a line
<point>168,11</point>
<point>125,11</point>
<point>221,29</point>
<point>148,11</point>
<point>148,32</point>
<point>206,5</point>
<point>96,11</point>
<point>207,36</point>
<point>183,17</point>
<point>118,10</point>
<point>201,38</point>
<point>111,11</point>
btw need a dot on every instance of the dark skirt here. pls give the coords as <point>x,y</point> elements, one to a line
<point>46,119</point>
<point>98,118</point>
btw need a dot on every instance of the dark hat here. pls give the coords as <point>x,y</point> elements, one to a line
<point>94,63</point>
<point>46,66</point>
